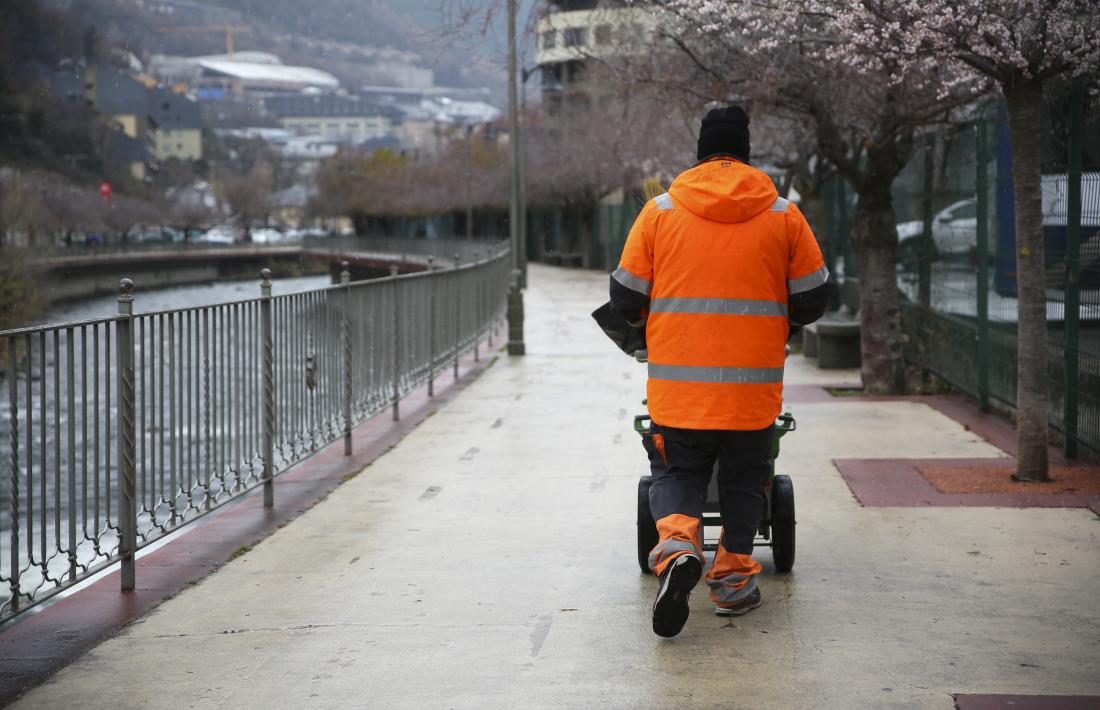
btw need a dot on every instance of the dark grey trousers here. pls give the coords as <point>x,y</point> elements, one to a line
<point>682,473</point>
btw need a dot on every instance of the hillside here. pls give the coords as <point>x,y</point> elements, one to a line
<point>336,35</point>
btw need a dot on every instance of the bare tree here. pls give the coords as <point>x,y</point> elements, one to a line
<point>249,194</point>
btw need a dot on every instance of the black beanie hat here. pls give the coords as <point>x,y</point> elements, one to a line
<point>725,130</point>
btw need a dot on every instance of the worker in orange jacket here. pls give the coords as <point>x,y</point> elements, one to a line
<point>716,270</point>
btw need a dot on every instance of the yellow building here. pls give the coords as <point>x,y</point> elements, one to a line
<point>175,124</point>
<point>167,123</point>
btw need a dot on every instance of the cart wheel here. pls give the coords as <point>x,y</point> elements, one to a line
<point>647,527</point>
<point>783,523</point>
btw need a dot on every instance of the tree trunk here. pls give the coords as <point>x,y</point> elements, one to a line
<point>875,241</point>
<point>1024,97</point>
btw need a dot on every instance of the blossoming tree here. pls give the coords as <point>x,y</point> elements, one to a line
<point>1019,45</point>
<point>788,59</point>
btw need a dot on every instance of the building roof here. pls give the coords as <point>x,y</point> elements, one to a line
<point>169,110</point>
<point>249,57</point>
<point>296,196</point>
<point>269,73</point>
<point>325,105</point>
<point>117,94</point>
<point>446,110</point>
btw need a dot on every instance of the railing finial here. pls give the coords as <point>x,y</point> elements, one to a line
<point>265,283</point>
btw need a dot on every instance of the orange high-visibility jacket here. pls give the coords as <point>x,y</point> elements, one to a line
<point>719,255</point>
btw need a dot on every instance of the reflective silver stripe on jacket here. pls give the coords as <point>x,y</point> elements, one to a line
<point>725,593</point>
<point>632,282</point>
<point>696,373</point>
<point>664,201</point>
<point>722,306</point>
<point>672,548</point>
<point>780,205</point>
<point>808,282</point>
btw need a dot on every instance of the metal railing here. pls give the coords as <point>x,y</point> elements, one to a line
<point>122,429</point>
<point>438,249</point>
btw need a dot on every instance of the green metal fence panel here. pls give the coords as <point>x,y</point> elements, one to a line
<point>959,309</point>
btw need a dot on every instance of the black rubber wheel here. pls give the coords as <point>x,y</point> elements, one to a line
<point>783,523</point>
<point>647,527</point>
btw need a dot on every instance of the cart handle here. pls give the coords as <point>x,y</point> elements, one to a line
<point>785,422</point>
<point>639,423</point>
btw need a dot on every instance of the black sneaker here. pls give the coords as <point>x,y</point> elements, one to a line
<point>742,607</point>
<point>670,610</point>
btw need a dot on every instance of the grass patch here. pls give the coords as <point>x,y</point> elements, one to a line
<point>240,551</point>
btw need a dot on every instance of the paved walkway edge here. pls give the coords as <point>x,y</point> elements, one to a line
<point>36,646</point>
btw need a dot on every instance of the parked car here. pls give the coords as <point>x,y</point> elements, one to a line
<point>954,233</point>
<point>266,235</point>
<point>222,234</point>
<point>312,232</point>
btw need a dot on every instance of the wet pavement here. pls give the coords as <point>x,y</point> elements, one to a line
<point>489,561</point>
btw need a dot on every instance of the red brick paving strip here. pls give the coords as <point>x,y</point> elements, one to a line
<point>996,477</point>
<point>40,643</point>
<point>1027,702</point>
<point>899,483</point>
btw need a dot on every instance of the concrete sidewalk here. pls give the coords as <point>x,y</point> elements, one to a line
<point>488,561</point>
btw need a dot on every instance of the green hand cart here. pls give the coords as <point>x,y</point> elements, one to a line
<point>776,529</point>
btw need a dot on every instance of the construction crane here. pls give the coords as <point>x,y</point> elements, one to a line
<point>228,29</point>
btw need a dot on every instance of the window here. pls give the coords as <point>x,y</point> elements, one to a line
<point>603,34</point>
<point>549,39</point>
<point>967,210</point>
<point>574,72</point>
<point>576,37</point>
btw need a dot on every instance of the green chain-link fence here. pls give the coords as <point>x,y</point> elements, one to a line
<point>957,260</point>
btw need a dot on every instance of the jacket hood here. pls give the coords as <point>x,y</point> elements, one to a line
<point>724,191</point>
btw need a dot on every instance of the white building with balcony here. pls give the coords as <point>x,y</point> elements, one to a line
<point>573,32</point>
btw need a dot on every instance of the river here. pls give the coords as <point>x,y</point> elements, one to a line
<point>80,482</point>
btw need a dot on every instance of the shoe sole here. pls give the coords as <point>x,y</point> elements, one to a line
<point>670,610</point>
<point>740,610</point>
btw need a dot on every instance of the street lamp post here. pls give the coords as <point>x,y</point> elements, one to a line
<point>515,300</point>
<point>525,74</point>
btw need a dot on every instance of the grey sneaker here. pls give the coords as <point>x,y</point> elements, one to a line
<point>670,609</point>
<point>742,607</point>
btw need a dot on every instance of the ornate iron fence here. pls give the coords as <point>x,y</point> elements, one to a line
<point>123,429</point>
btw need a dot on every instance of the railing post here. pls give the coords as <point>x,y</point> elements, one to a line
<point>982,227</point>
<point>458,313</point>
<point>396,345</point>
<point>924,272</point>
<point>477,310</point>
<point>1071,345</point>
<point>71,444</point>
<point>431,328</point>
<point>13,423</point>
<point>345,281</point>
<point>269,390</point>
<point>516,345</point>
<point>127,442</point>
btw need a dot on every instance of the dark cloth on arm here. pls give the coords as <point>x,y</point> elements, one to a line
<point>627,302</point>
<point>806,307</point>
